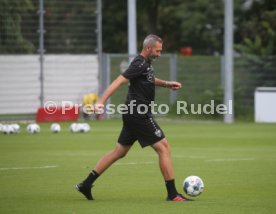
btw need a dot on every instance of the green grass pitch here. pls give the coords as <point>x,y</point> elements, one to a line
<point>236,162</point>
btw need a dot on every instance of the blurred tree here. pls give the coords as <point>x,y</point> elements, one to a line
<point>181,23</point>
<point>258,40</point>
<point>114,24</point>
<point>148,15</point>
<point>11,39</point>
<point>70,26</point>
<point>184,23</point>
<point>197,24</point>
<point>256,43</point>
<point>257,28</point>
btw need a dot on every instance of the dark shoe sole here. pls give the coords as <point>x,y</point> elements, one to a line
<point>87,195</point>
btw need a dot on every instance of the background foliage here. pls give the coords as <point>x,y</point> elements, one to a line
<point>70,26</point>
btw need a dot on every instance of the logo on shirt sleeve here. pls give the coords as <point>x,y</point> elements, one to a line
<point>158,133</point>
<point>150,76</point>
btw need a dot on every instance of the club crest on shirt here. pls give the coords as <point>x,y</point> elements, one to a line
<point>158,133</point>
<point>150,75</point>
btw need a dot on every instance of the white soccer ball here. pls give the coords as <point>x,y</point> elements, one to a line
<point>80,127</point>
<point>193,185</point>
<point>74,127</point>
<point>85,127</point>
<point>33,128</point>
<point>15,128</point>
<point>7,129</point>
<point>55,128</point>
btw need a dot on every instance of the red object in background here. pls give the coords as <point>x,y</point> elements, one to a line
<point>186,51</point>
<point>57,114</point>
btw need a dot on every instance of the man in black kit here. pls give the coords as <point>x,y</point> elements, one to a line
<point>138,123</point>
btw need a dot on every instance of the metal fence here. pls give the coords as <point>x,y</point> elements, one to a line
<point>203,81</point>
<point>72,27</point>
<point>251,72</point>
<point>68,26</point>
<point>47,43</point>
<point>115,64</point>
<point>201,77</point>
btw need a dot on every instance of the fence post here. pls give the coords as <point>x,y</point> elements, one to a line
<point>41,49</point>
<point>108,73</point>
<point>107,80</point>
<point>132,29</point>
<point>228,54</point>
<point>222,70</point>
<point>101,74</point>
<point>173,76</point>
<point>101,59</point>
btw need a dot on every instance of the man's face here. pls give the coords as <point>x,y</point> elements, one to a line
<point>155,51</point>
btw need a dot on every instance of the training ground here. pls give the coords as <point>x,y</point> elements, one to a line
<point>237,163</point>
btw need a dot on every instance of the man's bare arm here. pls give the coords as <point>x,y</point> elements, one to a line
<point>168,84</point>
<point>112,88</point>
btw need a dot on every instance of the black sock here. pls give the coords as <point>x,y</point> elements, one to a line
<point>91,178</point>
<point>170,185</point>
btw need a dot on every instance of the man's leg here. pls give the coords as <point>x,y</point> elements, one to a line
<point>106,161</point>
<point>163,150</point>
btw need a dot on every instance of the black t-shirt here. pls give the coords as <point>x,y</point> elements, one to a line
<point>141,81</point>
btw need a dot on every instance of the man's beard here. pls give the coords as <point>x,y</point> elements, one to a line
<point>153,58</point>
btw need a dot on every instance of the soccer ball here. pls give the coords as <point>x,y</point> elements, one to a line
<point>7,129</point>
<point>193,186</point>
<point>85,127</point>
<point>79,127</point>
<point>55,128</point>
<point>10,128</point>
<point>15,128</point>
<point>33,128</point>
<point>74,127</point>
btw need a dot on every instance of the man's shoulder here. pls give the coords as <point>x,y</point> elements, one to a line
<point>138,61</point>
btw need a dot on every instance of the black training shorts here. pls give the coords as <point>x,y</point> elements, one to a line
<point>140,127</point>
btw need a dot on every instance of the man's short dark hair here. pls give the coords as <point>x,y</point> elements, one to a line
<point>151,39</point>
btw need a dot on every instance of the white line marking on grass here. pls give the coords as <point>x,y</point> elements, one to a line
<point>34,167</point>
<point>134,163</point>
<point>188,156</point>
<point>230,159</point>
<point>185,156</point>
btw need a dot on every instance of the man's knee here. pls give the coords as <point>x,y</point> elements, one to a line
<point>121,155</point>
<point>162,147</point>
<point>120,151</point>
